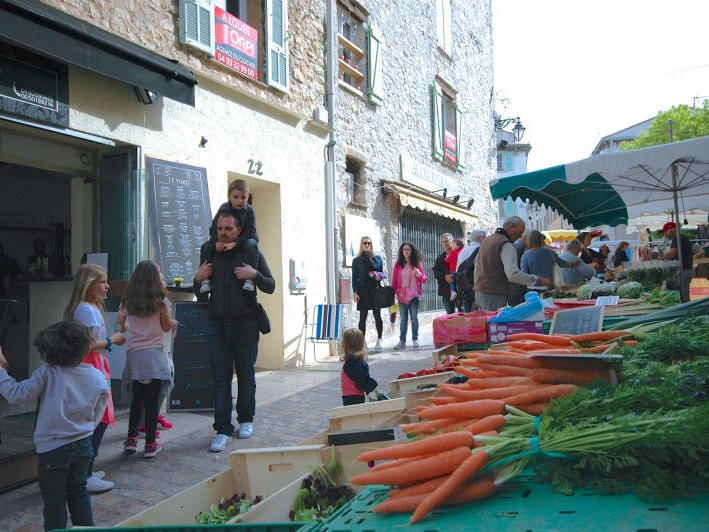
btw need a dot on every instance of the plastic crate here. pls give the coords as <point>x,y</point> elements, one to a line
<point>523,505</point>
<point>241,527</point>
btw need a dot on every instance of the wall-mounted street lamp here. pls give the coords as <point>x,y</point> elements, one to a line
<point>518,130</point>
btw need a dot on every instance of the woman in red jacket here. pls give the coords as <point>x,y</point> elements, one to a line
<point>408,277</point>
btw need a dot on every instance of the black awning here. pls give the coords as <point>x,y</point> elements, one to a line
<point>39,28</point>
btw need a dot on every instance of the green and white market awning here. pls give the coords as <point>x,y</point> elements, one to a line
<point>615,187</point>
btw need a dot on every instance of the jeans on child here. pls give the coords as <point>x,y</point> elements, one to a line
<point>410,309</point>
<point>62,480</point>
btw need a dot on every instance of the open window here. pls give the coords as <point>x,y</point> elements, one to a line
<point>447,125</point>
<point>354,169</point>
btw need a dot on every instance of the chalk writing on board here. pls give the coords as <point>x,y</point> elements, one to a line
<point>577,321</point>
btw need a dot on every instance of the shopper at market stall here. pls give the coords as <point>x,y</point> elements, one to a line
<point>236,319</point>
<point>497,266</point>
<point>465,272</point>
<point>621,254</point>
<point>539,260</point>
<point>407,280</point>
<point>580,272</point>
<point>367,273</point>
<point>517,291</point>
<point>588,255</point>
<point>443,275</point>
<point>686,260</point>
<point>355,381</point>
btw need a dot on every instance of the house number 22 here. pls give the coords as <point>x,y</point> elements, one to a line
<point>255,167</point>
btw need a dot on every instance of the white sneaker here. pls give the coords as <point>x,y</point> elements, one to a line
<point>99,474</point>
<point>219,443</point>
<point>400,345</point>
<point>416,344</point>
<point>96,485</point>
<point>205,287</point>
<point>246,430</point>
<point>249,285</point>
<point>378,345</point>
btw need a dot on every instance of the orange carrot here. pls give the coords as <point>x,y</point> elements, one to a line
<point>486,423</point>
<point>562,376</point>
<point>493,393</point>
<point>394,463</point>
<point>560,350</point>
<point>545,393</point>
<point>442,400</point>
<point>536,346</point>
<point>498,352</point>
<point>480,489</point>
<point>467,469</point>
<point>546,338</point>
<point>426,427</point>
<point>469,409</point>
<point>603,336</point>
<point>522,361</point>
<point>498,382</point>
<point>535,408</point>
<point>467,372</point>
<point>434,444</point>
<point>416,471</point>
<point>460,425</point>
<point>630,343</point>
<point>505,370</point>
<point>418,489</point>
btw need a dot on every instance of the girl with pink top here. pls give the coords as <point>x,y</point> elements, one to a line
<point>408,277</point>
<point>145,314</point>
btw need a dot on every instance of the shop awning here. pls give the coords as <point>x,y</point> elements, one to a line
<point>46,31</point>
<point>559,235</point>
<point>611,188</point>
<point>419,200</point>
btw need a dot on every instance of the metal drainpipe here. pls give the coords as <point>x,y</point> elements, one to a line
<point>330,197</point>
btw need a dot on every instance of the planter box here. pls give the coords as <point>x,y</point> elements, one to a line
<point>400,387</point>
<point>366,415</point>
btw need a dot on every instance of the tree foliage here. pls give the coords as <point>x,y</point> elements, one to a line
<point>688,123</point>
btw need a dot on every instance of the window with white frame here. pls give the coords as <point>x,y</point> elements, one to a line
<point>359,52</point>
<point>444,34</point>
<point>246,36</point>
<point>447,125</point>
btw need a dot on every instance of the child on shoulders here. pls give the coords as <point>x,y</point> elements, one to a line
<point>73,397</point>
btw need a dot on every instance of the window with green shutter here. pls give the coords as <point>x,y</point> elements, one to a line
<point>277,44</point>
<point>447,120</point>
<point>197,24</point>
<point>356,45</point>
<point>375,81</point>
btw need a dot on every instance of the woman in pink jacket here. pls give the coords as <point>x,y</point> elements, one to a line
<point>408,277</point>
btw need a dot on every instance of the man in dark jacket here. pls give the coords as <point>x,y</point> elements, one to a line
<point>233,340</point>
<point>443,275</point>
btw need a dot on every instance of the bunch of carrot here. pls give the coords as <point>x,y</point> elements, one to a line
<point>595,342</point>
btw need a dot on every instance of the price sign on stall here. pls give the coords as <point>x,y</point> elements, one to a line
<point>577,321</point>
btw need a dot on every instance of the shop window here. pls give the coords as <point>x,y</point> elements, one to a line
<point>246,36</point>
<point>443,26</point>
<point>447,126</point>
<point>354,169</point>
<point>359,52</point>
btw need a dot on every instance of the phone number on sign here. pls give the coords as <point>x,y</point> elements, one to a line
<point>236,65</point>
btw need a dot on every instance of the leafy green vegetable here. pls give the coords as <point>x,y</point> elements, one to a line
<point>631,290</point>
<point>666,298</point>
<point>227,509</point>
<point>319,495</point>
<point>584,291</point>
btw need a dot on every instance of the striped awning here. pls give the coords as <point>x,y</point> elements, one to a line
<point>422,201</point>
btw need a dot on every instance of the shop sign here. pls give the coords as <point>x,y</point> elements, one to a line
<point>426,177</point>
<point>450,147</point>
<point>235,43</point>
<point>33,87</point>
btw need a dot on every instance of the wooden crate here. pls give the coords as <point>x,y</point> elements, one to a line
<point>400,387</point>
<point>366,415</point>
<point>439,354</point>
<point>254,471</point>
<point>418,398</point>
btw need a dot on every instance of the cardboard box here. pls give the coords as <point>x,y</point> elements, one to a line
<point>498,332</point>
<point>400,387</point>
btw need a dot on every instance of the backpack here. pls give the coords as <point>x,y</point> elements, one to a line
<point>465,277</point>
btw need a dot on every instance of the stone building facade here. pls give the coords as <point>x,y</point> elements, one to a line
<point>388,171</point>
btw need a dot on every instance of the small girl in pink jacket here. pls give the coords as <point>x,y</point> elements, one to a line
<point>408,277</point>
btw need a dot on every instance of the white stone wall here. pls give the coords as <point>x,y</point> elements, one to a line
<point>402,123</point>
<point>290,191</point>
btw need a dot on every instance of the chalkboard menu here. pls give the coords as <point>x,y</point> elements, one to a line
<point>194,387</point>
<point>577,321</point>
<point>180,215</point>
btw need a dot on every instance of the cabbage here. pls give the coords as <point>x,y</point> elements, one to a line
<point>608,288</point>
<point>584,291</point>
<point>631,290</point>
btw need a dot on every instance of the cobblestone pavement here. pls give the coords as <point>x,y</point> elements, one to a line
<point>291,405</point>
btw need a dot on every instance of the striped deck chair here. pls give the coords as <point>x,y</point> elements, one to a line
<point>328,323</point>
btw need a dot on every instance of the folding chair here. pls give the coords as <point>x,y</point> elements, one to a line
<point>326,327</point>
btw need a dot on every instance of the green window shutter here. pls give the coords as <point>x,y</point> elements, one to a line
<point>197,24</point>
<point>375,81</point>
<point>509,161</point>
<point>277,44</point>
<point>459,137</point>
<point>437,122</point>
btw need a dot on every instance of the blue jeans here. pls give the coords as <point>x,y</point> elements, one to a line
<point>412,310</point>
<point>448,304</point>
<point>233,347</point>
<point>62,480</point>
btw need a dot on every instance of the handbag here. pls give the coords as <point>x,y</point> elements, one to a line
<point>264,324</point>
<point>383,296</point>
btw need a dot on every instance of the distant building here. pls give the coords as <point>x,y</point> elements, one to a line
<point>611,143</point>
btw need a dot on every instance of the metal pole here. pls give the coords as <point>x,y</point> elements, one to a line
<point>673,169</point>
<point>330,170</point>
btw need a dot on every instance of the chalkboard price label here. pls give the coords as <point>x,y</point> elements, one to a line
<point>577,321</point>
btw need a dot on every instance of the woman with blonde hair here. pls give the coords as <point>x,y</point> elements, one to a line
<point>86,307</point>
<point>367,272</point>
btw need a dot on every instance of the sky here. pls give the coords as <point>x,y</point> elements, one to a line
<point>575,70</point>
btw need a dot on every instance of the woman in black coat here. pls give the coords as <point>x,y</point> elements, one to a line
<point>367,271</point>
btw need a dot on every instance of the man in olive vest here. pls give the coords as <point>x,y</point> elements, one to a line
<point>497,266</point>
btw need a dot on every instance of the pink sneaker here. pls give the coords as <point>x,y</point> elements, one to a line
<point>164,423</point>
<point>141,433</point>
<point>131,445</point>
<point>151,449</point>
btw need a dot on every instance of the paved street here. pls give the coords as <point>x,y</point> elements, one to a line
<point>291,405</point>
